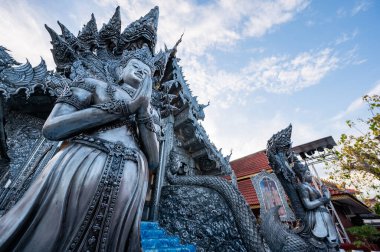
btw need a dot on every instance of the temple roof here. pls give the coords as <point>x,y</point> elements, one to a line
<point>251,164</point>
<point>246,188</point>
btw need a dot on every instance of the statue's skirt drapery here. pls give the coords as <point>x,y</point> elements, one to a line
<point>89,197</point>
<point>318,221</point>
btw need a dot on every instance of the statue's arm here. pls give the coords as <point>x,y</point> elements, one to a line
<point>149,139</point>
<point>309,204</point>
<point>65,120</point>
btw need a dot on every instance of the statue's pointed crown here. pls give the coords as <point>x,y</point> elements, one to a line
<point>138,40</point>
<point>282,139</point>
<point>143,54</point>
<point>144,29</point>
<point>109,34</point>
<point>89,34</point>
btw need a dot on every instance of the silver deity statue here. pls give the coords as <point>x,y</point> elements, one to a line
<point>316,231</point>
<point>90,195</point>
<point>318,221</point>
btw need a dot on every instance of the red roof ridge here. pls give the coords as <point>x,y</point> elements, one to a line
<point>249,155</point>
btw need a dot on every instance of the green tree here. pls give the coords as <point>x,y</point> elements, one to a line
<point>358,160</point>
<point>364,235</point>
<point>376,208</point>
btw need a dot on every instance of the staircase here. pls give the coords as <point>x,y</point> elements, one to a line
<point>155,239</point>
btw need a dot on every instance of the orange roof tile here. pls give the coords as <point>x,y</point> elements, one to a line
<point>246,188</point>
<point>251,164</point>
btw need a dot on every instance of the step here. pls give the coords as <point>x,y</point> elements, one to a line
<point>153,234</point>
<point>148,225</point>
<point>155,239</point>
<point>183,248</point>
<point>160,243</point>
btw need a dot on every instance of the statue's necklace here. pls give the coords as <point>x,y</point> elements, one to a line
<point>131,91</point>
<point>111,91</point>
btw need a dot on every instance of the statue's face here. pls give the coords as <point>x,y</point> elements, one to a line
<point>135,72</point>
<point>308,177</point>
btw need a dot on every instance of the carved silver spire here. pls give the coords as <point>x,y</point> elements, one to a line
<point>109,34</point>
<point>89,34</point>
<point>139,32</point>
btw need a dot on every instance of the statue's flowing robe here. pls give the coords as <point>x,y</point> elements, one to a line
<point>85,199</point>
<point>318,221</point>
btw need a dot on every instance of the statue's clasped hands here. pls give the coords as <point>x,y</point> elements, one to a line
<point>120,103</point>
<point>141,100</point>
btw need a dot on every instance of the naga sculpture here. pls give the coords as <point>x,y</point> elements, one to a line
<point>90,195</point>
<point>247,227</point>
<point>317,231</point>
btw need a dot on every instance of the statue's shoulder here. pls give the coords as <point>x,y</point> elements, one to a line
<point>89,84</point>
<point>302,187</point>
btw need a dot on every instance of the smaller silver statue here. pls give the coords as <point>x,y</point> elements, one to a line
<point>317,221</point>
<point>317,230</point>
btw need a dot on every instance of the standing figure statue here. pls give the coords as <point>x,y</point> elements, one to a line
<point>317,220</point>
<point>317,230</point>
<point>90,195</point>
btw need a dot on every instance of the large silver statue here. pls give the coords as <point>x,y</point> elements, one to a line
<point>90,195</point>
<point>317,231</point>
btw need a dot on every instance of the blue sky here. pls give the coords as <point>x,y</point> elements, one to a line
<point>262,64</point>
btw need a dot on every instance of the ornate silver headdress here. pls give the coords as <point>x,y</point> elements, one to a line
<point>143,30</point>
<point>94,51</point>
<point>281,140</point>
<point>143,54</point>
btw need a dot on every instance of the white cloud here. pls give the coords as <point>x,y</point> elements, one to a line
<point>211,83</point>
<point>275,74</point>
<point>351,57</point>
<point>357,104</point>
<point>357,108</point>
<point>344,37</point>
<point>284,74</point>
<point>266,14</point>
<point>259,99</point>
<point>257,50</point>
<point>310,23</point>
<point>23,33</point>
<point>250,135</point>
<point>360,6</point>
<point>341,12</point>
